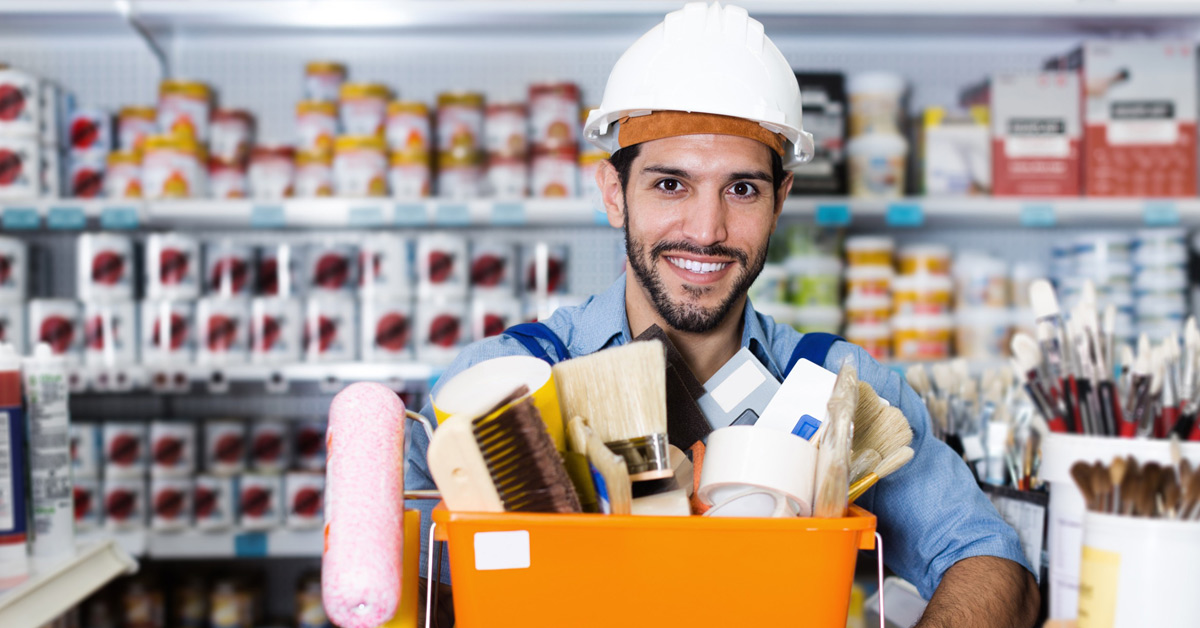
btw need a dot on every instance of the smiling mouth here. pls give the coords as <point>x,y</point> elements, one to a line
<point>701,268</point>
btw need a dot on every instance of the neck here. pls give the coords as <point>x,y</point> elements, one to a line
<point>705,353</point>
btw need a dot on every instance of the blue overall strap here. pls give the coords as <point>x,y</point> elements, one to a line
<point>812,347</point>
<point>528,335</point>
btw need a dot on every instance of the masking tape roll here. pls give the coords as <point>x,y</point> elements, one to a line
<point>754,502</point>
<point>479,388</point>
<point>744,459</point>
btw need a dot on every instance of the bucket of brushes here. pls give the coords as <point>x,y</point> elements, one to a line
<point>1141,544</point>
<point>1098,399</point>
<point>523,551</point>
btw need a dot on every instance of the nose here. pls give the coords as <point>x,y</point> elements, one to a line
<point>704,220</point>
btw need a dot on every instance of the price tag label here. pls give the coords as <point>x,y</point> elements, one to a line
<point>66,218</point>
<point>267,216</point>
<point>411,215</point>
<point>905,215</point>
<point>508,214</point>
<point>453,214</point>
<point>371,216</point>
<point>20,218</point>
<point>1161,214</point>
<point>116,218</point>
<point>1038,215</point>
<point>833,215</point>
<point>250,545</point>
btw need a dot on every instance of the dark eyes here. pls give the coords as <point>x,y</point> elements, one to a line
<point>741,189</point>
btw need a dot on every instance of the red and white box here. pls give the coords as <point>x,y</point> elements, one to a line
<point>1037,135</point>
<point>86,171</point>
<point>125,450</point>
<point>20,166</point>
<point>305,492</point>
<point>260,501</point>
<point>168,332</point>
<point>384,268</point>
<point>110,332</point>
<point>491,315</point>
<point>14,270</point>
<point>442,265</point>
<point>309,439</point>
<point>86,497</point>
<point>330,329</point>
<point>104,267</point>
<point>275,330</point>
<point>172,449</point>
<point>442,330</point>
<point>277,271</point>
<point>270,447</point>
<point>170,503</point>
<point>56,322</point>
<point>386,330</point>
<point>90,129</point>
<point>224,328</point>
<point>12,325</point>
<point>331,268</point>
<point>544,268</point>
<point>124,503</point>
<point>228,269</point>
<point>224,447</point>
<point>20,103</point>
<point>172,266</point>
<point>86,447</point>
<point>493,266</point>
<point>213,502</point>
<point>1139,117</point>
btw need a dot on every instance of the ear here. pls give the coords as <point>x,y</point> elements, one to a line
<point>780,196</point>
<point>611,193</point>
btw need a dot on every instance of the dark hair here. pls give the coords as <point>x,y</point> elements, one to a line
<point>623,160</point>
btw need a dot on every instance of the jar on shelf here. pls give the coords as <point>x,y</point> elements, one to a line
<point>227,180</point>
<point>360,166</point>
<point>555,173</point>
<point>124,176</point>
<point>232,135</point>
<point>922,337</point>
<point>364,108</point>
<point>134,125</point>
<point>314,174</point>
<point>554,115</point>
<point>172,167</point>
<point>460,125</point>
<point>316,126</point>
<point>323,80</point>
<point>928,259</point>
<point>409,175</point>
<point>407,128</point>
<point>184,108</point>
<point>506,131</point>
<point>272,172</point>
<point>459,178</point>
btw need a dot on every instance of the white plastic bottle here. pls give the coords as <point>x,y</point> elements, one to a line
<point>51,489</point>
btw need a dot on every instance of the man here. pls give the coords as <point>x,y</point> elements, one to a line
<point>697,181</point>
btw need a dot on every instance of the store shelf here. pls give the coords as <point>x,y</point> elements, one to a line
<point>198,544</point>
<point>974,212</point>
<point>598,16</point>
<point>248,378</point>
<point>49,593</point>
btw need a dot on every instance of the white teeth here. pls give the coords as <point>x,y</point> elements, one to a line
<point>697,267</point>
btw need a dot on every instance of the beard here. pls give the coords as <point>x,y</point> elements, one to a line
<point>688,316</point>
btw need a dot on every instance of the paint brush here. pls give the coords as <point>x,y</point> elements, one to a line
<point>1027,357</point>
<point>1138,400</point>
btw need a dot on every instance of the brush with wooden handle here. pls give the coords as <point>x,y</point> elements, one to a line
<point>621,392</point>
<point>833,452</point>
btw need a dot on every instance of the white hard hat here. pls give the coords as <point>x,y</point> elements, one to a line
<point>705,59</point>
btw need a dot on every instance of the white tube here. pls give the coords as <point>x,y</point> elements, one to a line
<point>51,488</point>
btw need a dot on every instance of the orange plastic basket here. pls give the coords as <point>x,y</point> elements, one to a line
<point>550,570</point>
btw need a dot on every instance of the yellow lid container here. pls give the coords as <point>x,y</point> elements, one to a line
<point>358,91</point>
<point>349,143</point>
<point>462,99</point>
<point>312,157</point>
<point>414,107</point>
<point>325,67</point>
<point>124,157</point>
<point>191,89</point>
<point>144,113</point>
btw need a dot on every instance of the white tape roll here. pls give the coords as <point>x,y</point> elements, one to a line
<point>754,502</point>
<point>744,459</point>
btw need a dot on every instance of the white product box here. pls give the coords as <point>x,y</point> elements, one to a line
<point>125,450</point>
<point>86,448</point>
<point>309,439</point>
<point>275,330</point>
<point>385,267</point>
<point>386,329</point>
<point>20,103</point>
<point>20,167</point>
<point>224,447</point>
<point>86,172</point>
<point>56,322</point>
<point>14,270</point>
<point>958,157</point>
<point>224,329</point>
<point>270,446</point>
<point>170,503</point>
<point>441,265</point>
<point>90,129</point>
<point>277,275</point>
<point>1037,134</point>
<point>260,501</point>
<point>331,268</point>
<point>12,325</point>
<point>213,502</point>
<point>305,499</point>
<point>168,332</point>
<point>442,330</point>
<point>105,268</point>
<point>491,315</point>
<point>110,334</point>
<point>88,505</point>
<point>229,269</point>
<point>544,268</point>
<point>172,449</point>
<point>124,503</point>
<point>330,329</point>
<point>493,266</point>
<point>172,267</point>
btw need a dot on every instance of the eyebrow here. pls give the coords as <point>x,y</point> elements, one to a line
<point>753,175</point>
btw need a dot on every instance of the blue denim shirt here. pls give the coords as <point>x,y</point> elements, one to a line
<point>930,512</point>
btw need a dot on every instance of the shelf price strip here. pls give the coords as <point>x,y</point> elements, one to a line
<point>1038,215</point>
<point>905,215</point>
<point>371,216</point>
<point>508,214</point>
<point>833,215</point>
<point>20,218</point>
<point>267,217</point>
<point>1161,214</point>
<point>410,215</point>
<point>119,217</point>
<point>66,218</point>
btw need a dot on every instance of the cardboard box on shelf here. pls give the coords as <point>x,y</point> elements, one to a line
<point>1139,117</point>
<point>1037,134</point>
<point>957,156</point>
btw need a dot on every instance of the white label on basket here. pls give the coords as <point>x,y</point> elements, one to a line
<point>740,383</point>
<point>501,550</point>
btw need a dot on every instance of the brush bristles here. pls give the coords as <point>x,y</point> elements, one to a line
<point>622,392</point>
<point>885,432</point>
<point>528,473</point>
<point>892,463</point>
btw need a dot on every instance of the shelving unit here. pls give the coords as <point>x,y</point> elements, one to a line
<point>47,594</point>
<point>214,545</point>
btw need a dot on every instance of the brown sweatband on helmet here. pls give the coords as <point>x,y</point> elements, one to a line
<point>663,124</point>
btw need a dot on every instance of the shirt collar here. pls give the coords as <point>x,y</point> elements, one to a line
<point>604,323</point>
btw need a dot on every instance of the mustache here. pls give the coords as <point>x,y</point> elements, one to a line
<point>715,250</point>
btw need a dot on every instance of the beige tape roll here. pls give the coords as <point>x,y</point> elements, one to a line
<point>479,388</point>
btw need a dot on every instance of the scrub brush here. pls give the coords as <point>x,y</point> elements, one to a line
<point>833,451</point>
<point>622,394</point>
<point>505,462</point>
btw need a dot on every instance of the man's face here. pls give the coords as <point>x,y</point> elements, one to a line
<point>699,211</point>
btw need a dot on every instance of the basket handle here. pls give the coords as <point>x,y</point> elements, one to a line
<point>879,554</point>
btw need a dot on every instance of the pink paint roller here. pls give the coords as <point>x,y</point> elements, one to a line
<point>364,507</point>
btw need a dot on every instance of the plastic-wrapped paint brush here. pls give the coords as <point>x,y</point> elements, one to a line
<point>609,472</point>
<point>622,394</point>
<point>833,453</point>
